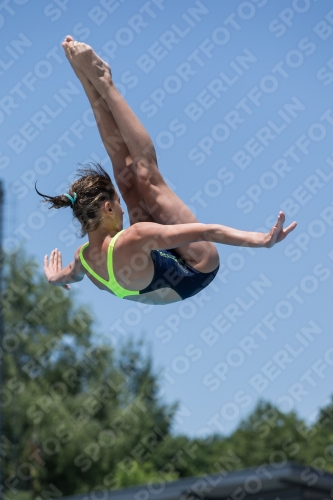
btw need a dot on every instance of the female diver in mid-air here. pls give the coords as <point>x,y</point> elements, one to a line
<point>165,255</point>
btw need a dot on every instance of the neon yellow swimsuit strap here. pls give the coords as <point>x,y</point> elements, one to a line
<point>88,268</point>
<point>113,284</point>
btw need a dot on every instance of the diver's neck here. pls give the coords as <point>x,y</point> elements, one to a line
<point>97,238</point>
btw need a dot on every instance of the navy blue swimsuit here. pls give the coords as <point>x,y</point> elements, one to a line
<point>171,271</point>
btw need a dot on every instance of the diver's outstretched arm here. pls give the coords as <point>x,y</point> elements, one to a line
<point>156,236</point>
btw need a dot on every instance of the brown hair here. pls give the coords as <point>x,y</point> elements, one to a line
<point>93,186</point>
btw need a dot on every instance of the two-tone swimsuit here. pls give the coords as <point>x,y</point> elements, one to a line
<point>170,271</point>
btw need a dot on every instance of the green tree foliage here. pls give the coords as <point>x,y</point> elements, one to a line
<point>78,415</point>
<point>319,436</point>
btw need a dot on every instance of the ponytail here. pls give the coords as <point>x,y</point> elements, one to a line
<point>60,201</point>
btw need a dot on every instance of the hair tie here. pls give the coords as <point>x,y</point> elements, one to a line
<point>72,199</point>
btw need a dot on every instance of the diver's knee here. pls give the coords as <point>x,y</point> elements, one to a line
<point>211,260</point>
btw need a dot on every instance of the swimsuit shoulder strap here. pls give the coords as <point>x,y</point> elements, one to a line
<point>114,239</point>
<point>88,268</point>
<point>113,284</point>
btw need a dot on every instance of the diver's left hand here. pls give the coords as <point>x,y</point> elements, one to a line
<point>277,233</point>
<point>53,268</point>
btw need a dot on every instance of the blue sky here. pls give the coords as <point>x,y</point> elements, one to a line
<point>237,97</point>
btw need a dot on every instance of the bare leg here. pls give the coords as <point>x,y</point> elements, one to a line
<point>164,205</point>
<point>116,148</point>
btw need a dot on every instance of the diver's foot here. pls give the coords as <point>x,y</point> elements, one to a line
<point>89,63</point>
<point>79,73</point>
